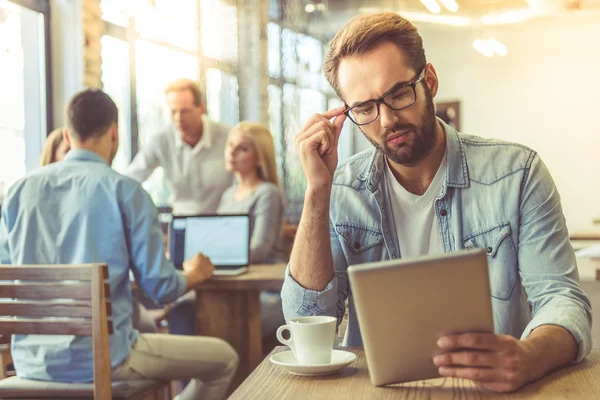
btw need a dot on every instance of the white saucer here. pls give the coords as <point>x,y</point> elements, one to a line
<point>339,359</point>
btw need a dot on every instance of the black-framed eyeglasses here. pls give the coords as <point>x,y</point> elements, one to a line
<point>397,98</point>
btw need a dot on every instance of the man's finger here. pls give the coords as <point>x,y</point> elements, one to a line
<point>479,341</point>
<point>467,359</point>
<point>338,124</point>
<point>474,374</point>
<point>334,112</point>
<point>316,130</point>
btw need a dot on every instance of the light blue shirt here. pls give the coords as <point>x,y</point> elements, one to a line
<point>81,211</point>
<point>497,196</point>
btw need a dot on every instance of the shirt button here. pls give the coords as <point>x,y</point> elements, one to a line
<point>489,250</point>
<point>356,246</point>
<point>443,213</point>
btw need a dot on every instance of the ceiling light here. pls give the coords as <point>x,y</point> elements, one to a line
<point>483,48</point>
<point>450,5</point>
<point>432,6</point>
<point>453,20</point>
<point>497,47</point>
<point>309,8</point>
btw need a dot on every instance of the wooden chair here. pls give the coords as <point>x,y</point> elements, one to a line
<point>5,357</point>
<point>83,312</point>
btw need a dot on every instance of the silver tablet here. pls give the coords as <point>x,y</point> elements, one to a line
<point>405,306</point>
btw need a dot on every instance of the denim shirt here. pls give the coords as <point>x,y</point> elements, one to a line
<point>497,196</point>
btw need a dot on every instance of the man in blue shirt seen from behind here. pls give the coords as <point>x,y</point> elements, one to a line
<point>81,211</point>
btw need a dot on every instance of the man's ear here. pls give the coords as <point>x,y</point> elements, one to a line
<point>431,79</point>
<point>114,134</point>
<point>66,137</point>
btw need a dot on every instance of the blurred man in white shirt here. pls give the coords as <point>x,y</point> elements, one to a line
<point>191,152</point>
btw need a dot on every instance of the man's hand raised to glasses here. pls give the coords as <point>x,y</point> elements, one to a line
<point>316,145</point>
<point>197,269</point>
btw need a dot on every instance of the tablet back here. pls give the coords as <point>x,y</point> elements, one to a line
<point>404,306</point>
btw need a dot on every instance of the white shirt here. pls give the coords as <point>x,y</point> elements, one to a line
<point>414,216</point>
<point>196,175</point>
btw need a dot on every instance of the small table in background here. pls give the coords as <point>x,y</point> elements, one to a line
<point>228,307</point>
<point>270,381</point>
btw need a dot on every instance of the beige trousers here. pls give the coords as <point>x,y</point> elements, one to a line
<point>210,363</point>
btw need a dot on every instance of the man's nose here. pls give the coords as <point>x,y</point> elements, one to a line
<point>387,116</point>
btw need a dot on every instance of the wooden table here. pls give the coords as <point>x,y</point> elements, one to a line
<point>269,381</point>
<point>228,307</point>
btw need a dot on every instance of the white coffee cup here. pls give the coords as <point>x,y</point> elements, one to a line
<point>311,339</point>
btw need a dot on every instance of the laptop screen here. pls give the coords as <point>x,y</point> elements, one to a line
<point>225,239</point>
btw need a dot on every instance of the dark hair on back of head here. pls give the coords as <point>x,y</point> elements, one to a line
<point>90,113</point>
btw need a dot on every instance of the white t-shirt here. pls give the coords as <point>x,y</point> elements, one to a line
<point>417,226</point>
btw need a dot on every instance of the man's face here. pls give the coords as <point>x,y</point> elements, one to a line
<point>186,116</point>
<point>406,136</point>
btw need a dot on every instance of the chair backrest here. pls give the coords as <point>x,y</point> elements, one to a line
<point>75,293</point>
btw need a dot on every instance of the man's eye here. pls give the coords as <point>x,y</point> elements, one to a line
<point>365,110</point>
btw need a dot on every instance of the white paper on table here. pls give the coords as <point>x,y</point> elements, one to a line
<point>588,252</point>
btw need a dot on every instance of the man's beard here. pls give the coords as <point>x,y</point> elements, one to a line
<point>424,137</point>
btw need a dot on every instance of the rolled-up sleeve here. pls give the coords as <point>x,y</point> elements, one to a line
<point>547,262</point>
<point>144,163</point>
<point>156,275</point>
<point>298,301</point>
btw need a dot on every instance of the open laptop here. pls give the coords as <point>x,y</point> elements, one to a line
<point>225,239</point>
<point>405,306</point>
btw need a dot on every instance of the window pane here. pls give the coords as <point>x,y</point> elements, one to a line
<point>169,21</point>
<point>299,105</point>
<point>222,96</point>
<point>116,11</point>
<point>174,22</point>
<point>219,30</point>
<point>156,66</point>
<point>22,97</point>
<point>275,125</point>
<point>115,78</point>
<point>274,33</point>
<point>290,58</point>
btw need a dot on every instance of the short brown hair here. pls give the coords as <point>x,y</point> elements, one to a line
<point>90,113</point>
<point>182,84</point>
<point>365,32</point>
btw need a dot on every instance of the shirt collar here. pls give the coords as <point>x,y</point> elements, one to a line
<point>84,155</point>
<point>204,142</point>
<point>457,174</point>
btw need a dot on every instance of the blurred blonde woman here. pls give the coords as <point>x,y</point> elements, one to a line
<point>55,148</point>
<point>250,155</point>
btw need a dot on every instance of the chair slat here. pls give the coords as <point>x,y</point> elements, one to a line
<point>10,326</point>
<point>48,291</point>
<point>34,309</point>
<point>41,272</point>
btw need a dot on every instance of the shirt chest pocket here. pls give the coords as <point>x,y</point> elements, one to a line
<point>360,244</point>
<point>502,258</point>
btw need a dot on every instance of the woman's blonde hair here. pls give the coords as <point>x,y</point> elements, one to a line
<point>53,140</point>
<point>265,149</point>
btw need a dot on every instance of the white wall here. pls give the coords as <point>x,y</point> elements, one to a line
<point>545,94</point>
